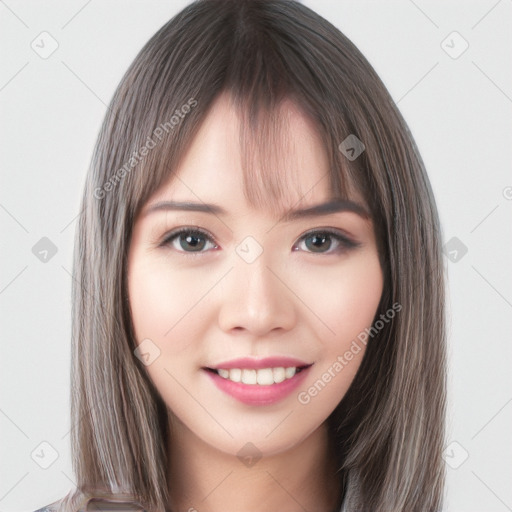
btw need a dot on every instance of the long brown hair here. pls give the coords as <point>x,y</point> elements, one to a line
<point>388,430</point>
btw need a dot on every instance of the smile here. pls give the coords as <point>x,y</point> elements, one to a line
<point>258,386</point>
<point>261,377</point>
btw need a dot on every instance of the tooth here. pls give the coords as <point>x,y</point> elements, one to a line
<point>290,372</point>
<point>235,374</point>
<point>249,376</point>
<point>279,375</point>
<point>262,377</point>
<point>265,377</point>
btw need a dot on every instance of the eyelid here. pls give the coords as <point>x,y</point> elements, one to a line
<point>332,231</point>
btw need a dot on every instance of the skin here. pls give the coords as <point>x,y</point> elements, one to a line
<point>300,303</point>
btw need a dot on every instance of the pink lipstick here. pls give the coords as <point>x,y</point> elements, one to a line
<point>258,381</point>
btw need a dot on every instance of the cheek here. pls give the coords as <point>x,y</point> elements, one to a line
<point>150,298</point>
<point>345,299</point>
<point>348,303</point>
<point>162,303</point>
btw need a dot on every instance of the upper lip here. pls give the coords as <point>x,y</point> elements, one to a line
<point>266,362</point>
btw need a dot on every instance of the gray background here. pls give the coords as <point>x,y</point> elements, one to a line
<point>459,110</point>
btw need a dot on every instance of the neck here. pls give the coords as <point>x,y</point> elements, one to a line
<point>204,479</point>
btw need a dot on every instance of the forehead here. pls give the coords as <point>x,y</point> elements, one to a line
<point>288,145</point>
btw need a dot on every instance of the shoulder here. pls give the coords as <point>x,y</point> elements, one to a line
<point>52,507</point>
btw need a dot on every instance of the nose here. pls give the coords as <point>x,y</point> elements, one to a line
<point>257,298</point>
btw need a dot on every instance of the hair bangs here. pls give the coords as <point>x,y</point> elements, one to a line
<point>263,75</point>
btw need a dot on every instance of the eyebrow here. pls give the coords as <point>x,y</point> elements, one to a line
<point>330,207</point>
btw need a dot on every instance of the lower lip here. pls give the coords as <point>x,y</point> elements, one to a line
<point>254,394</point>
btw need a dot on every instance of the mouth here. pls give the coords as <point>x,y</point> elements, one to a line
<point>258,382</point>
<point>258,376</point>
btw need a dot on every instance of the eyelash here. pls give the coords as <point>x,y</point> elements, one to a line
<point>345,243</point>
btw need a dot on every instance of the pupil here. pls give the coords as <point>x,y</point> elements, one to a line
<point>319,240</point>
<point>193,240</point>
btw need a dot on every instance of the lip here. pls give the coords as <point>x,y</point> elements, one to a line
<point>257,364</point>
<point>255,394</point>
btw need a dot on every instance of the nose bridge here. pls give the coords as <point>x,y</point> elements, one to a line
<point>256,299</point>
<point>261,285</point>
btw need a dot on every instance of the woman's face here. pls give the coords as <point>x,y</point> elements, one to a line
<point>279,293</point>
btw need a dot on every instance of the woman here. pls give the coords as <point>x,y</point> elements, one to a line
<point>259,295</point>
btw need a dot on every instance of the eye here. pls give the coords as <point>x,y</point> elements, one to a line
<point>184,239</point>
<point>195,240</point>
<point>317,241</point>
